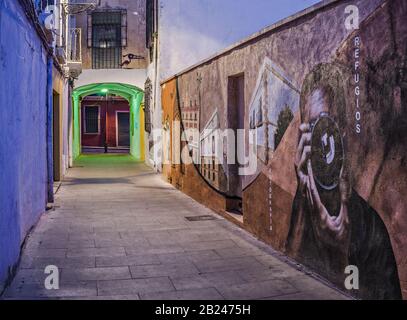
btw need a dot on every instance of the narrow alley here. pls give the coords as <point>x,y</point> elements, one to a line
<point>119,232</point>
<point>203,150</point>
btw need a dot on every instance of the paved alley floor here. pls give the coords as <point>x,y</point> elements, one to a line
<point>119,231</point>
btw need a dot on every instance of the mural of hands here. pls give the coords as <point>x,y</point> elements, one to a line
<point>331,229</point>
<point>332,226</point>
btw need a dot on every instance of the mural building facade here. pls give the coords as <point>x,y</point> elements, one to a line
<point>297,135</point>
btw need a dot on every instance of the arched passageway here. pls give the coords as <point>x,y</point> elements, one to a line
<point>132,94</point>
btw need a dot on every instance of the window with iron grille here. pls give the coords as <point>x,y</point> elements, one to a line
<point>107,35</point>
<point>150,26</point>
<point>92,119</point>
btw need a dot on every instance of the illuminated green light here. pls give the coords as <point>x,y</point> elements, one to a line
<point>132,94</point>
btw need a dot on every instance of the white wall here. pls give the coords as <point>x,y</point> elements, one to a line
<point>135,77</point>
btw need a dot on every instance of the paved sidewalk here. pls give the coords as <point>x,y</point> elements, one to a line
<point>120,232</point>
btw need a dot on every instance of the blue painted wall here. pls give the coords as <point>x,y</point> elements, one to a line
<point>23,112</point>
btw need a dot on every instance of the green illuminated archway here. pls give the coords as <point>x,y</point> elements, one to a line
<point>132,94</point>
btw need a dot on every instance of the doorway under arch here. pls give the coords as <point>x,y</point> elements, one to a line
<point>132,94</point>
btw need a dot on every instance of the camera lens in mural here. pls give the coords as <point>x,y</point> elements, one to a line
<point>326,152</point>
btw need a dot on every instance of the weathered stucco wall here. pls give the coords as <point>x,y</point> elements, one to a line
<point>61,88</point>
<point>283,69</point>
<point>136,31</point>
<point>23,161</point>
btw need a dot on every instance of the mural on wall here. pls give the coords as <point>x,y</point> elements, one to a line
<point>350,109</point>
<point>209,151</point>
<point>331,225</point>
<point>166,137</point>
<point>190,120</point>
<point>271,110</point>
<point>330,143</point>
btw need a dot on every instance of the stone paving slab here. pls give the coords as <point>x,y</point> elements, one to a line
<point>119,231</point>
<point>88,274</point>
<point>96,252</point>
<point>185,257</point>
<point>29,291</point>
<point>194,294</point>
<point>134,286</point>
<point>229,264</point>
<point>206,280</point>
<point>150,271</point>
<point>137,260</point>
<point>256,290</point>
<point>28,262</point>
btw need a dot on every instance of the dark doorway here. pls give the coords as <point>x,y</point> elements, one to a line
<point>235,114</point>
<point>101,118</point>
<point>123,129</point>
<point>56,136</point>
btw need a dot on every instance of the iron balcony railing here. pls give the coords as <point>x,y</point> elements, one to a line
<point>74,52</point>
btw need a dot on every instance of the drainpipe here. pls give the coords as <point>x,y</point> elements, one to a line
<point>157,165</point>
<point>50,158</point>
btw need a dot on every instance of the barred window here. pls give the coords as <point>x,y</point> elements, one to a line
<point>92,119</point>
<point>107,35</point>
<point>150,26</point>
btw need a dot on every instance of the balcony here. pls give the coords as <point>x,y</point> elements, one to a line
<point>74,52</point>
